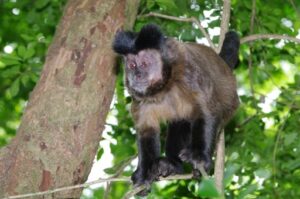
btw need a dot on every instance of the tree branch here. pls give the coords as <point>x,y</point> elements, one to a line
<point>251,47</point>
<point>124,179</point>
<point>192,20</point>
<point>136,190</point>
<point>254,37</point>
<point>224,23</point>
<point>118,172</point>
<point>219,163</point>
<point>220,146</point>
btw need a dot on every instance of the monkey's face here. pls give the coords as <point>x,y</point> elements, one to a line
<point>143,71</point>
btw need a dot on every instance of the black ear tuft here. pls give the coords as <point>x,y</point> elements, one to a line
<point>149,37</point>
<point>124,42</point>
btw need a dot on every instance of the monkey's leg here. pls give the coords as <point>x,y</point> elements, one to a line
<point>179,135</point>
<point>148,153</point>
<point>204,132</point>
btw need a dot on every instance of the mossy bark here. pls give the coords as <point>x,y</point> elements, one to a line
<point>61,127</point>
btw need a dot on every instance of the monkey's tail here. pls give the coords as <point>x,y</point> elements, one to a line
<point>230,49</point>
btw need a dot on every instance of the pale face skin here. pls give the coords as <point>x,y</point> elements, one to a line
<point>143,70</point>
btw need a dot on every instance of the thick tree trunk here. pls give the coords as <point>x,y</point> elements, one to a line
<point>62,124</point>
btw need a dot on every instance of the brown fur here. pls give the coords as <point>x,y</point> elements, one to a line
<point>200,80</point>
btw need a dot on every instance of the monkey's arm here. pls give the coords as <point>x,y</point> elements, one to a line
<point>148,152</point>
<point>204,132</point>
<point>148,147</point>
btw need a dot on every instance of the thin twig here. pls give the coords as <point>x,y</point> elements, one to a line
<point>202,171</point>
<point>107,190</point>
<point>254,37</point>
<point>220,146</point>
<point>124,164</point>
<point>124,179</point>
<point>251,47</point>
<point>119,179</point>
<point>295,7</point>
<point>243,40</point>
<point>192,20</point>
<point>224,23</point>
<point>136,190</point>
<point>118,172</point>
<point>219,163</point>
<point>248,119</point>
<point>253,13</point>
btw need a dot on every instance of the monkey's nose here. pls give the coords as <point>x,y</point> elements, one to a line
<point>138,75</point>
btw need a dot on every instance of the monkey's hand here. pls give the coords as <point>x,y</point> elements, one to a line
<point>145,177</point>
<point>166,167</point>
<point>197,159</point>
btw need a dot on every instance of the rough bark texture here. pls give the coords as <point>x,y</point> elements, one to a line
<point>62,124</point>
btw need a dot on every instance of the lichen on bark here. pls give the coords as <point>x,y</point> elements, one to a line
<point>61,127</point>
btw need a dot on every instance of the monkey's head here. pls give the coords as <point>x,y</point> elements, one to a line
<point>147,65</point>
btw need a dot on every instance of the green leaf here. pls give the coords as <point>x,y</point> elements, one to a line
<point>41,3</point>
<point>109,170</point>
<point>9,59</point>
<point>21,50</point>
<point>182,5</point>
<point>297,80</point>
<point>25,79</point>
<point>100,153</point>
<point>15,87</point>
<point>117,166</point>
<point>29,53</point>
<point>230,171</point>
<point>292,165</point>
<point>150,4</point>
<point>249,189</point>
<point>10,72</point>
<point>34,77</point>
<point>208,189</point>
<point>290,138</point>
<point>263,173</point>
<point>167,5</point>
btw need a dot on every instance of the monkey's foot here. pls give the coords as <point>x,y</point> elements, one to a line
<point>144,177</point>
<point>166,167</point>
<point>197,160</point>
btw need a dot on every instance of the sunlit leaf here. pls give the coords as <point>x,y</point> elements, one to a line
<point>29,53</point>
<point>100,153</point>
<point>10,72</point>
<point>15,87</point>
<point>249,189</point>
<point>21,51</point>
<point>41,3</point>
<point>25,79</point>
<point>230,171</point>
<point>8,59</point>
<point>207,188</point>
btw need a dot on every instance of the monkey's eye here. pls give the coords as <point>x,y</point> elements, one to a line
<point>132,65</point>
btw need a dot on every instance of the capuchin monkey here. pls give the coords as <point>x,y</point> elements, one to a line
<point>186,85</point>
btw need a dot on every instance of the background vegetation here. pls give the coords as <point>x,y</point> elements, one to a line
<point>262,141</point>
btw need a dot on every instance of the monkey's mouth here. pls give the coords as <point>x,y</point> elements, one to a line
<point>141,82</point>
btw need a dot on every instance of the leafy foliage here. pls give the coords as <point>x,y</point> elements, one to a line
<point>262,147</point>
<point>27,29</point>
